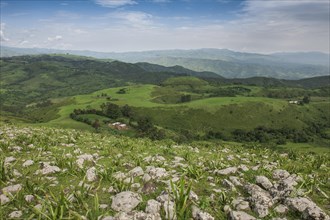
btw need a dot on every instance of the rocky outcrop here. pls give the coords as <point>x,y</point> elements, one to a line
<point>125,201</point>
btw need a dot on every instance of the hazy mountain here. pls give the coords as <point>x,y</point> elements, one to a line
<point>224,62</point>
<point>315,58</point>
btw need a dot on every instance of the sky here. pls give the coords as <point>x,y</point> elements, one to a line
<point>262,26</point>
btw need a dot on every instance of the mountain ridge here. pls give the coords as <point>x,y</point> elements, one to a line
<point>230,64</point>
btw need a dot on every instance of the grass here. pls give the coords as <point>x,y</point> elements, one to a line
<point>68,195</point>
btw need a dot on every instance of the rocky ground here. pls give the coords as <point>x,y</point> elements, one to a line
<point>66,174</point>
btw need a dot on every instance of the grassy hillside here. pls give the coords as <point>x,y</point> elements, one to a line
<point>202,114</point>
<point>51,173</point>
<point>47,89</point>
<point>27,79</point>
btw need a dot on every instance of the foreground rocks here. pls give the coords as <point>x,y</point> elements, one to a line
<point>143,180</point>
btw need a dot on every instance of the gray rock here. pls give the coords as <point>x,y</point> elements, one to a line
<point>9,160</point>
<point>103,206</point>
<point>134,215</point>
<point>264,182</point>
<point>200,215</point>
<point>137,171</point>
<point>193,196</point>
<point>281,209</point>
<point>125,201</point>
<point>29,198</point>
<point>4,199</point>
<point>163,197</point>
<point>228,184</point>
<point>261,200</point>
<point>108,218</point>
<point>91,174</point>
<point>119,175</point>
<point>156,172</point>
<point>153,206</point>
<point>169,208</point>
<point>48,169</point>
<point>243,168</point>
<point>28,163</point>
<point>307,208</point>
<point>280,174</point>
<point>235,180</point>
<point>12,188</point>
<point>240,204</point>
<point>227,171</point>
<point>15,214</point>
<point>146,177</point>
<point>240,215</point>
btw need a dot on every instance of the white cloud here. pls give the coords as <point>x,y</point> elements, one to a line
<point>135,19</point>
<point>261,26</point>
<point>115,3</point>
<point>56,38</point>
<point>160,1</point>
<point>2,32</point>
<point>267,26</point>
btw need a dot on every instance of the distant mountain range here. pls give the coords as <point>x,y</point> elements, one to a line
<point>227,63</point>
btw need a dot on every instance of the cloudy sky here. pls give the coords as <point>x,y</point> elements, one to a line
<point>134,25</point>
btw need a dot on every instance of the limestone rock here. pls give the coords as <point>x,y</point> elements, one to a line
<point>28,163</point>
<point>15,214</point>
<point>200,215</point>
<point>169,208</point>
<point>153,206</point>
<point>261,200</point>
<point>281,209</point>
<point>48,169</point>
<point>137,171</point>
<point>29,198</point>
<point>227,171</point>
<point>264,182</point>
<point>4,199</point>
<point>280,174</point>
<point>240,215</point>
<point>125,201</point>
<point>12,188</point>
<point>91,174</point>
<point>307,208</point>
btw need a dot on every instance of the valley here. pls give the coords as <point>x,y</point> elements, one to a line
<point>78,135</point>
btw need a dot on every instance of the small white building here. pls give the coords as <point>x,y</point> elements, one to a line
<point>293,102</point>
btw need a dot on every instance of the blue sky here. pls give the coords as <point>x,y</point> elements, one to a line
<point>134,25</point>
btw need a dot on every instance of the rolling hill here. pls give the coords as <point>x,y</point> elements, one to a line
<point>224,62</point>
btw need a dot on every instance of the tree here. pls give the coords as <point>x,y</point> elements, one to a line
<point>111,110</point>
<point>145,124</point>
<point>306,99</point>
<point>127,111</point>
<point>96,124</point>
<point>185,98</point>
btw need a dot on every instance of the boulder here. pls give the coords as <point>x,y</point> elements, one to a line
<point>153,206</point>
<point>227,171</point>
<point>240,215</point>
<point>125,201</point>
<point>137,171</point>
<point>264,182</point>
<point>200,215</point>
<point>261,200</point>
<point>12,188</point>
<point>28,163</point>
<point>307,208</point>
<point>280,174</point>
<point>15,214</point>
<point>91,174</point>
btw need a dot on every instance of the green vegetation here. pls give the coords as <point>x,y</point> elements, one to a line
<point>69,191</point>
